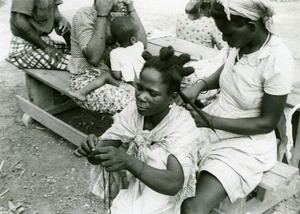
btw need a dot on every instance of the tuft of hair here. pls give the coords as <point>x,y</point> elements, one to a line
<point>170,66</point>
<point>123,28</point>
<point>146,55</point>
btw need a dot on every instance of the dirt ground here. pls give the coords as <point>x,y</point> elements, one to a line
<point>38,172</point>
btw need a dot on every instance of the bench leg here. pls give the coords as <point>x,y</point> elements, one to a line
<point>296,150</point>
<point>46,97</point>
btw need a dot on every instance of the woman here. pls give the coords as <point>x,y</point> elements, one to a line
<point>162,139</point>
<point>254,81</point>
<point>91,42</point>
<point>198,27</point>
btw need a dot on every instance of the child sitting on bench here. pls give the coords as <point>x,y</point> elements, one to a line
<point>126,60</point>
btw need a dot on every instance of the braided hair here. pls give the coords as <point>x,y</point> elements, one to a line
<point>170,67</point>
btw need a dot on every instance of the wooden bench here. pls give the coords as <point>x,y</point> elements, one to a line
<point>48,96</point>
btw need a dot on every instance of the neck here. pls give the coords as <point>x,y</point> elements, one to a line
<point>151,121</point>
<point>259,41</point>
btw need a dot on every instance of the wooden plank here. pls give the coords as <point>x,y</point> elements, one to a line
<point>59,80</point>
<point>279,175</point>
<point>59,127</point>
<point>181,46</point>
<point>254,206</point>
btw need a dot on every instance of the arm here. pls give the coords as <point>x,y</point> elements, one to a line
<point>272,108</point>
<point>117,75</point>
<point>170,180</point>
<point>25,31</point>
<point>209,83</point>
<point>62,26</point>
<point>134,14</point>
<point>96,46</point>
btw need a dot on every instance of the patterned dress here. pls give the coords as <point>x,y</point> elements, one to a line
<point>202,31</point>
<point>108,98</point>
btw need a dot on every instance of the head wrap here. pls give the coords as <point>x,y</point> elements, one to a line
<point>251,9</point>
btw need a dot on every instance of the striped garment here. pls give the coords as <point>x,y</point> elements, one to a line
<point>25,55</point>
<point>176,134</point>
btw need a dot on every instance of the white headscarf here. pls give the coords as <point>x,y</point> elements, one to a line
<point>251,9</point>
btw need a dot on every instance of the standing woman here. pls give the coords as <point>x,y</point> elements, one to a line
<point>91,43</point>
<point>254,81</point>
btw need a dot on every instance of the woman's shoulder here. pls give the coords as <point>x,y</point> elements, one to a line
<point>85,12</point>
<point>276,48</point>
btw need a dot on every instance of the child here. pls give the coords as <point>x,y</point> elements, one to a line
<point>126,60</point>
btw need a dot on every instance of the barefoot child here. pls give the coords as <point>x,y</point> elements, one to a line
<point>126,60</point>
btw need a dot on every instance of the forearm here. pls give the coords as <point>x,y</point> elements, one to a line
<point>167,182</point>
<point>96,46</point>
<point>242,126</point>
<point>57,15</point>
<point>25,31</point>
<point>209,83</point>
<point>133,13</point>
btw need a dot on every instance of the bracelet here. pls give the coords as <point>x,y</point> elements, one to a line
<point>131,11</point>
<point>205,84</point>
<point>212,121</point>
<point>102,16</point>
<point>142,170</point>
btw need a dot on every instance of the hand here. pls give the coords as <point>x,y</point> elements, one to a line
<point>198,120</point>
<point>53,52</point>
<point>63,27</point>
<point>127,1</point>
<point>87,146</point>
<point>191,93</point>
<point>103,7</point>
<point>112,158</point>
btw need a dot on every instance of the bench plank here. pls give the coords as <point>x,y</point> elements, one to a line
<point>181,46</point>
<point>61,128</point>
<point>59,80</point>
<point>279,175</point>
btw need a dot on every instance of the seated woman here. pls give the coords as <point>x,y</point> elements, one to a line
<point>161,137</point>
<point>126,61</point>
<point>91,43</point>
<point>254,83</point>
<point>198,27</point>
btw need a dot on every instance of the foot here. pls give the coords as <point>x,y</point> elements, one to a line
<point>77,95</point>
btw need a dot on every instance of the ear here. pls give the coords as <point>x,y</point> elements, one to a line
<point>173,97</point>
<point>133,40</point>
<point>251,26</point>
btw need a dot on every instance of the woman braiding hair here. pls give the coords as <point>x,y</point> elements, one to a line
<point>254,83</point>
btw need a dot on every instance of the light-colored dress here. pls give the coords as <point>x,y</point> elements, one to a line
<point>238,161</point>
<point>176,134</point>
<point>108,98</point>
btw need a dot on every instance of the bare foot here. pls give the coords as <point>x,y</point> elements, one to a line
<point>78,95</point>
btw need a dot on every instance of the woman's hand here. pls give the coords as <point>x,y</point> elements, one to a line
<point>63,26</point>
<point>198,119</point>
<point>112,158</point>
<point>103,7</point>
<point>87,146</point>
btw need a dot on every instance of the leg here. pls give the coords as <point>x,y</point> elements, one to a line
<point>94,84</point>
<point>209,193</point>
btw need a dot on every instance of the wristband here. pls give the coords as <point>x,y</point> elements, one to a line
<point>205,84</point>
<point>102,16</point>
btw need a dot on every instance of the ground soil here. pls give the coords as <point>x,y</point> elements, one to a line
<point>38,171</point>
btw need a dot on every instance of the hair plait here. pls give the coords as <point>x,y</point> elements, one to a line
<point>166,53</point>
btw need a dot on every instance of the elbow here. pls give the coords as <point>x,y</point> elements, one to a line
<point>172,188</point>
<point>92,59</point>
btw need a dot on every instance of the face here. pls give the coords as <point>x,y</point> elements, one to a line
<point>151,94</point>
<point>235,36</point>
